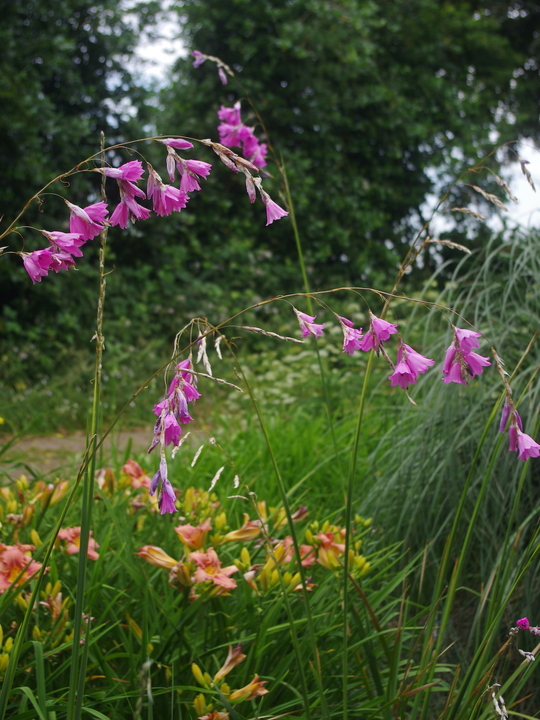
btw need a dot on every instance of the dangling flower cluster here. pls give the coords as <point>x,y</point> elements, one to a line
<point>519,441</point>
<point>221,66</point>
<point>524,624</point>
<point>84,224</point>
<point>172,412</point>
<point>461,363</point>
<point>126,176</point>
<point>87,223</point>
<point>233,133</point>
<point>236,163</point>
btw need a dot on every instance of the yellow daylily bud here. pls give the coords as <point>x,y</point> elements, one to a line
<point>150,650</point>
<point>8,645</point>
<point>59,492</point>
<point>358,545</point>
<point>274,578</point>
<point>225,690</point>
<point>22,483</point>
<point>287,577</point>
<point>325,526</point>
<point>200,704</point>
<point>308,535</point>
<point>189,499</point>
<point>198,675</point>
<point>11,506</point>
<point>27,514</point>
<point>261,509</point>
<point>264,579</point>
<point>295,581</point>
<point>36,540</point>
<point>365,568</point>
<point>6,494</point>
<point>140,522</point>
<point>136,630</point>
<point>4,661</point>
<point>56,588</point>
<point>220,521</point>
<point>21,602</point>
<point>351,559</point>
<point>245,556</point>
<point>36,633</point>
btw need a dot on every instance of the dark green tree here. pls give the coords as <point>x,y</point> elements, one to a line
<point>362,98</point>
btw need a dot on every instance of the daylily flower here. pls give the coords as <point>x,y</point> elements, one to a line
<point>234,657</point>
<point>249,531</point>
<point>156,556</point>
<point>72,536</point>
<point>351,335</point>
<point>209,568</point>
<point>139,478</point>
<point>249,692</point>
<point>16,565</point>
<point>308,325</point>
<point>194,537</point>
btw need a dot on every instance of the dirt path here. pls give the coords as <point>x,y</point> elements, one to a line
<point>59,455</point>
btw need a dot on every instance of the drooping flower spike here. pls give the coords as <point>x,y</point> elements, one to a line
<point>379,331</point>
<point>87,222</point>
<point>233,133</point>
<point>351,335</point>
<point>126,176</point>
<point>410,364</point>
<point>308,325</point>
<point>460,362</point>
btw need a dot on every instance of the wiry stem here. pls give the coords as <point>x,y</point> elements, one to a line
<point>78,664</point>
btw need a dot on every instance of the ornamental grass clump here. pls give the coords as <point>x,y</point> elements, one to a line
<point>317,598</point>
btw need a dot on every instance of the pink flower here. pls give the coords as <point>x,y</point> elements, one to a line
<point>177,143</point>
<point>222,76</point>
<point>523,623</point>
<point>230,115</point>
<point>165,198</point>
<point>189,170</point>
<point>37,264</point>
<point>379,331</point>
<point>209,568</point>
<point>527,447</point>
<point>307,324</point>
<point>72,536</point>
<point>194,537</point>
<point>87,222</point>
<point>131,171</point>
<point>67,242</point>
<point>460,362</point>
<point>351,336</point>
<point>199,58</point>
<point>273,210</point>
<point>16,565</point>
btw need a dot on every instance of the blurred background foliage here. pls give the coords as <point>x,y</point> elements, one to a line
<point>371,105</point>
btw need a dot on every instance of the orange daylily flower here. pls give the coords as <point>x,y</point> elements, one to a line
<point>156,556</point>
<point>193,537</point>
<point>234,658</point>
<point>249,530</point>
<point>72,536</point>
<point>249,692</point>
<point>209,568</point>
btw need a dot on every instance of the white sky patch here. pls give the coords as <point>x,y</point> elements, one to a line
<point>523,214</point>
<point>158,49</point>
